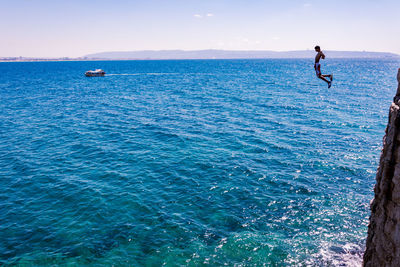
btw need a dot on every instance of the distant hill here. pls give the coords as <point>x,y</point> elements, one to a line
<point>231,54</point>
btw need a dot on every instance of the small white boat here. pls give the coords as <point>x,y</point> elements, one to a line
<point>95,73</point>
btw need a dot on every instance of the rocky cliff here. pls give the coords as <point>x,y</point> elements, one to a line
<point>383,242</point>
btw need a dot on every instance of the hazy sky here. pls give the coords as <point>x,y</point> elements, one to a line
<point>56,28</point>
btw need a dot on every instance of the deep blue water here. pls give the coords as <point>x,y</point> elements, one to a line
<point>196,162</point>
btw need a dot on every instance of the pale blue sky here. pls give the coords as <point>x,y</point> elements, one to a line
<point>55,28</point>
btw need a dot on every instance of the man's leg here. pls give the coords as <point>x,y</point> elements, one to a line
<point>322,77</point>
<point>327,75</point>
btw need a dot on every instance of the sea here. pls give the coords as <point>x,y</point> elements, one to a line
<point>190,162</point>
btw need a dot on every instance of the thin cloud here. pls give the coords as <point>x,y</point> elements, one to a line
<point>199,16</point>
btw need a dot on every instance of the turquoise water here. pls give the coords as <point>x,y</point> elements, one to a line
<point>235,162</point>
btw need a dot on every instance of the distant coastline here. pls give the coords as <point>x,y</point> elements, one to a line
<point>39,59</point>
<point>207,54</point>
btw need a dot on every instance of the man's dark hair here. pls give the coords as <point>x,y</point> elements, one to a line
<point>317,47</point>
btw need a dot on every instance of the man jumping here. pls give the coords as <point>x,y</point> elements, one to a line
<point>317,67</point>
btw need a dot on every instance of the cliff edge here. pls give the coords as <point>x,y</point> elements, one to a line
<point>383,241</point>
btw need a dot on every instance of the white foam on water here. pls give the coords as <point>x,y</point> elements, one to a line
<point>348,255</point>
<point>136,74</point>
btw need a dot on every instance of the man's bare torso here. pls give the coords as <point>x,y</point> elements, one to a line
<point>318,56</point>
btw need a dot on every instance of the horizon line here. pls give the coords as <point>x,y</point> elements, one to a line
<point>193,50</point>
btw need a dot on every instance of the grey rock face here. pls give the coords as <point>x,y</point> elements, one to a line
<point>383,242</point>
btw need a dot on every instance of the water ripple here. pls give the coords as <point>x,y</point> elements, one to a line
<point>235,162</point>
